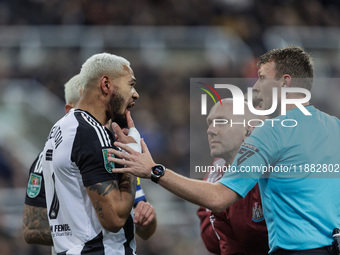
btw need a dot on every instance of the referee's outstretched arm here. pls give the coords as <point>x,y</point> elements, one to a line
<point>198,192</point>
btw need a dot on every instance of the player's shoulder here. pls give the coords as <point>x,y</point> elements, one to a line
<point>90,130</point>
<point>86,120</point>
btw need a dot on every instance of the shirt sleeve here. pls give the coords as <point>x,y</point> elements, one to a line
<point>35,189</point>
<point>90,154</point>
<point>140,195</point>
<point>256,154</point>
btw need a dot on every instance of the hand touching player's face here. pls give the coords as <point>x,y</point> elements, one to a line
<point>123,97</point>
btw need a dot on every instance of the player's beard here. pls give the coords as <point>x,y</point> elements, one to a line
<point>117,103</point>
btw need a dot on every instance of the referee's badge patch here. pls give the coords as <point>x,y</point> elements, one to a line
<point>108,164</point>
<point>34,185</point>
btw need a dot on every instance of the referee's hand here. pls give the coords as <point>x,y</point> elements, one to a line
<point>136,163</point>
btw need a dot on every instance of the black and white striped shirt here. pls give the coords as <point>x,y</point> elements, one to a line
<point>74,158</point>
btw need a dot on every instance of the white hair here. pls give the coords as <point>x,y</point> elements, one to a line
<point>73,90</point>
<point>102,64</point>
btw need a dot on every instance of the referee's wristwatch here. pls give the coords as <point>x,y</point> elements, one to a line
<point>157,172</point>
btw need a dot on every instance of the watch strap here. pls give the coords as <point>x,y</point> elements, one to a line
<point>154,178</point>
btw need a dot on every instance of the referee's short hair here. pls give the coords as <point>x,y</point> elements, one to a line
<point>292,60</point>
<point>101,64</point>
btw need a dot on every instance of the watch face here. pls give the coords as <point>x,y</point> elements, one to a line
<point>158,170</point>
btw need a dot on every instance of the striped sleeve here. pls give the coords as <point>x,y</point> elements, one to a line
<point>140,195</point>
<point>89,150</point>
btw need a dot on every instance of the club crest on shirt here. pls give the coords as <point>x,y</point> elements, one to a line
<point>257,213</point>
<point>108,164</point>
<point>34,185</point>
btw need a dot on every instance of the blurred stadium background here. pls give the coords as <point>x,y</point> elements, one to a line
<point>43,44</point>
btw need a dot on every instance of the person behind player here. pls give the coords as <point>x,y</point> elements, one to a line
<point>300,210</point>
<point>89,207</point>
<point>240,229</point>
<point>36,229</point>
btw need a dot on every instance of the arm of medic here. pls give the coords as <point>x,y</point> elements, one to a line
<point>208,235</point>
<point>228,243</point>
<point>216,231</point>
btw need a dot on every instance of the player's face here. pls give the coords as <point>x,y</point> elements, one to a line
<point>124,97</point>
<point>224,139</point>
<point>264,86</point>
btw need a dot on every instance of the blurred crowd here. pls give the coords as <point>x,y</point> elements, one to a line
<point>162,112</point>
<point>247,18</point>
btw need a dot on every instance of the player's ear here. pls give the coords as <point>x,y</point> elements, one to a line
<point>105,84</point>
